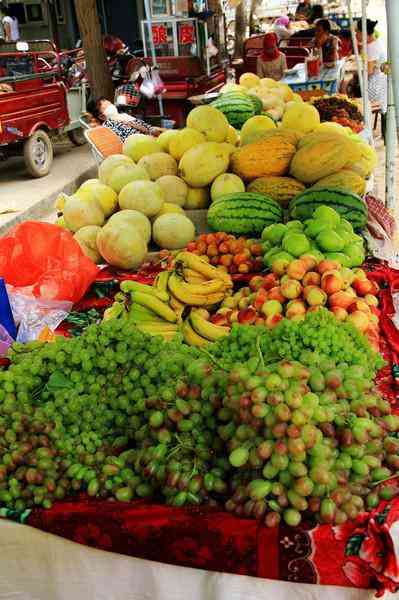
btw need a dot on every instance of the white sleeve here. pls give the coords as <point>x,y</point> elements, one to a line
<point>373,51</point>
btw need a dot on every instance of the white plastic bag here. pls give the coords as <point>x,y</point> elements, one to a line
<point>33,315</point>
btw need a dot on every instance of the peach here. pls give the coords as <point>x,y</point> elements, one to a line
<point>275,294</point>
<point>243,303</point>
<point>245,292</point>
<point>223,310</point>
<point>260,299</point>
<point>259,321</point>
<point>360,320</point>
<point>341,299</point>
<point>359,273</point>
<point>247,316</point>
<point>328,265</point>
<point>309,260</point>
<point>375,311</point>
<point>230,302</point>
<point>371,300</point>
<point>297,269</point>
<point>311,278</point>
<point>359,305</point>
<point>256,283</point>
<point>315,296</point>
<point>291,289</point>
<point>374,319</point>
<point>270,281</point>
<point>362,286</point>
<point>332,283</point>
<point>273,320</point>
<point>351,291</point>
<point>314,308</point>
<point>297,318</point>
<point>376,288</point>
<point>280,266</point>
<point>272,307</point>
<point>347,276</point>
<point>340,313</point>
<point>233,317</point>
<point>294,308</point>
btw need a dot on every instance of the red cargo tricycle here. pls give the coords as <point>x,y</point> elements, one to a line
<point>36,103</point>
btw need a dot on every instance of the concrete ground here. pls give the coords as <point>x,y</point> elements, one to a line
<point>23,197</point>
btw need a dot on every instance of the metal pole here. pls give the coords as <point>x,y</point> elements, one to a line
<point>392,8</point>
<point>152,47</point>
<point>366,104</point>
<point>390,151</point>
<point>355,46</point>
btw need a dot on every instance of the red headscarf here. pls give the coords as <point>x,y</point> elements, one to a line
<point>270,50</point>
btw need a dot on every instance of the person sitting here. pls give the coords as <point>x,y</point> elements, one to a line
<point>303,10</point>
<point>281,28</point>
<point>271,63</point>
<point>105,113</point>
<point>326,42</point>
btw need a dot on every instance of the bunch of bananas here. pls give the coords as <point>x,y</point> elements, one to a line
<point>146,306</point>
<point>164,308</point>
<point>199,331</point>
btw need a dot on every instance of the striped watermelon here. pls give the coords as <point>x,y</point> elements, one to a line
<point>236,106</point>
<point>244,213</point>
<point>350,206</point>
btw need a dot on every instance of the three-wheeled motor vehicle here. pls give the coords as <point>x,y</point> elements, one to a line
<point>37,103</point>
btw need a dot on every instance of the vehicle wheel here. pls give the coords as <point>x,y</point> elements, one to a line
<point>77,136</point>
<point>38,154</point>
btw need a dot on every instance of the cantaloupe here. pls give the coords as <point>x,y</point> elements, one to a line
<point>210,122</point>
<point>302,117</point>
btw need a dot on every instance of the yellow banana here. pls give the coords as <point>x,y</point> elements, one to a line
<point>191,337</point>
<point>157,327</point>
<point>152,303</point>
<point>192,276</point>
<point>204,288</point>
<point>161,281</point>
<point>183,294</point>
<point>192,261</point>
<point>206,329</point>
<point>215,298</point>
<point>115,311</point>
<point>139,314</point>
<point>134,286</point>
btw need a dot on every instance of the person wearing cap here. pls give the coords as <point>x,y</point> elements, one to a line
<point>281,28</point>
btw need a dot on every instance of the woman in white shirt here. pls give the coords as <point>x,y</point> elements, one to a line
<point>10,26</point>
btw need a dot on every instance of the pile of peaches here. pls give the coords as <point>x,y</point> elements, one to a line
<point>291,290</point>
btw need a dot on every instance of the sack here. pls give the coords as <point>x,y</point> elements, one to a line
<point>152,84</point>
<point>47,260</point>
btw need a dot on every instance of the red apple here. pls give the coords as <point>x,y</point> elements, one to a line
<point>297,269</point>
<point>376,288</point>
<point>272,307</point>
<point>360,320</point>
<point>362,286</point>
<point>291,289</point>
<point>273,320</point>
<point>328,265</point>
<point>332,283</point>
<point>260,299</point>
<point>315,296</point>
<point>275,294</point>
<point>311,278</point>
<point>247,316</point>
<point>340,313</point>
<point>219,319</point>
<point>270,281</point>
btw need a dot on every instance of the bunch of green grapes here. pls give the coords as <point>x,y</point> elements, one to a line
<point>315,439</point>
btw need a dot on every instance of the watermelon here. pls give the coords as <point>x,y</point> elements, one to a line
<point>350,206</point>
<point>236,106</point>
<point>257,102</point>
<point>244,213</point>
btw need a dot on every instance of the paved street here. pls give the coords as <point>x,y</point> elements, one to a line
<point>29,198</point>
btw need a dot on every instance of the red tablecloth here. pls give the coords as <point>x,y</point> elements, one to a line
<point>358,554</point>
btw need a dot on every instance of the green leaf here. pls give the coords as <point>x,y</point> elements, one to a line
<point>353,545</point>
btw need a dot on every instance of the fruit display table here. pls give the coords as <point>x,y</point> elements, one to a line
<point>328,80</point>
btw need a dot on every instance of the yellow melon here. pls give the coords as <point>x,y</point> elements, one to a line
<point>209,121</point>
<point>249,80</point>
<point>302,117</point>
<point>256,125</point>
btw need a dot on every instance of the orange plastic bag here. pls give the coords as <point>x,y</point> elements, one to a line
<point>47,260</point>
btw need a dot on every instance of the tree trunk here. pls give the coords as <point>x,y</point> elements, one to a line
<point>241,27</point>
<point>90,31</point>
<point>252,25</point>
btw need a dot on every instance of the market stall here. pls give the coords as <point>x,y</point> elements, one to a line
<point>227,413</point>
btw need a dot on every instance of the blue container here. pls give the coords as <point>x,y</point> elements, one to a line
<point>6,318</point>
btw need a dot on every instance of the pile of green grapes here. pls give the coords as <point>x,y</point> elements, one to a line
<point>122,415</point>
<point>320,333</point>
